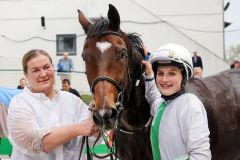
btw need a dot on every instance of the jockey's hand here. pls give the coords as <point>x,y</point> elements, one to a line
<point>148,68</point>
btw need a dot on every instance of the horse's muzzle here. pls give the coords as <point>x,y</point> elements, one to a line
<point>105,118</point>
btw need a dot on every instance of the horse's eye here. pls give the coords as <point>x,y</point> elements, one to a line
<point>123,53</point>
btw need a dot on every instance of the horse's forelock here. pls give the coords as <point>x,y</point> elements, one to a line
<point>98,26</point>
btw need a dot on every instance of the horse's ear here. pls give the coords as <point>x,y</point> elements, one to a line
<point>83,21</point>
<point>114,18</point>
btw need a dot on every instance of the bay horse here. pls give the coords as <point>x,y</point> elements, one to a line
<point>220,95</point>
<point>113,62</point>
<point>114,72</point>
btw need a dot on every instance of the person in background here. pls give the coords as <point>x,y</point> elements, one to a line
<point>22,83</point>
<point>235,64</point>
<point>197,72</point>
<point>66,86</point>
<point>65,66</point>
<point>179,129</point>
<point>45,123</point>
<point>197,60</point>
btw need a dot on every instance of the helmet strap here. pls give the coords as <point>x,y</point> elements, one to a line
<point>173,96</point>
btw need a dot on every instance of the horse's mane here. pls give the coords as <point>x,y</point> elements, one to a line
<point>136,55</point>
<point>137,45</point>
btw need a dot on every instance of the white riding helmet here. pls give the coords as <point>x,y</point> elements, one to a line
<point>170,54</point>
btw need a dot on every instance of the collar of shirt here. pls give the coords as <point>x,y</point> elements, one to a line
<point>39,95</point>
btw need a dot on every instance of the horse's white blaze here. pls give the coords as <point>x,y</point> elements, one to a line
<point>102,112</point>
<point>103,46</point>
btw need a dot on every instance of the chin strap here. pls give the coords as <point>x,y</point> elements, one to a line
<point>173,96</point>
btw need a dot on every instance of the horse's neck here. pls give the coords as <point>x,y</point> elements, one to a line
<point>138,110</point>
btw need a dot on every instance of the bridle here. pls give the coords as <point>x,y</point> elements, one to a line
<point>106,78</point>
<point>104,34</point>
<point>119,105</point>
<point>119,86</point>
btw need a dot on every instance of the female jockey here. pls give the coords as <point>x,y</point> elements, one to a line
<point>180,127</point>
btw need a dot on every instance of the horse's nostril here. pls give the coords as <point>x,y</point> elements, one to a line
<point>105,118</point>
<point>111,115</point>
<point>97,119</point>
<point>114,113</point>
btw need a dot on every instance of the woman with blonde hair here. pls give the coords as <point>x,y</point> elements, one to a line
<point>45,123</point>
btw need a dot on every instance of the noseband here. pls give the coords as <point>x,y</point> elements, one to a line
<point>106,78</point>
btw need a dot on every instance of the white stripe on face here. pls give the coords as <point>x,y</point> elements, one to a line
<point>103,46</point>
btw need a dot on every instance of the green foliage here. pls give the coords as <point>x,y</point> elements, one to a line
<point>87,98</point>
<point>233,52</point>
<point>235,49</point>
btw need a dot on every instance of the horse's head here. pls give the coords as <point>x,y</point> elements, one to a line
<point>106,54</point>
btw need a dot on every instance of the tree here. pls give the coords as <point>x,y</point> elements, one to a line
<point>233,52</point>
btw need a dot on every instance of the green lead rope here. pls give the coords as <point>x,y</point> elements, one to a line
<point>155,132</point>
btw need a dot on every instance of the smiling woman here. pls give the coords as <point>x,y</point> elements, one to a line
<point>45,123</point>
<point>38,69</point>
